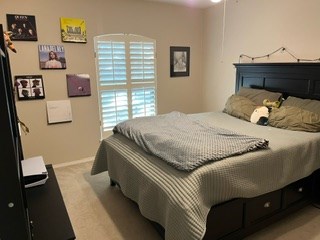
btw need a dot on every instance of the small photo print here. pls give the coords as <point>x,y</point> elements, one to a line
<point>29,87</point>
<point>78,85</point>
<point>73,30</point>
<point>52,57</point>
<point>23,27</point>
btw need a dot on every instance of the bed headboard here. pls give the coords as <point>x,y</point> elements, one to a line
<point>292,79</point>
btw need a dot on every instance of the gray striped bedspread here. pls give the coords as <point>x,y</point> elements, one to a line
<point>180,201</point>
<point>185,143</point>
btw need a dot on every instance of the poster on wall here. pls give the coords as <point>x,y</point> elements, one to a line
<point>179,61</point>
<point>78,85</point>
<point>52,57</point>
<point>73,30</point>
<point>29,87</point>
<point>23,27</point>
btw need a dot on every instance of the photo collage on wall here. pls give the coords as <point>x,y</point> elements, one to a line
<point>51,56</point>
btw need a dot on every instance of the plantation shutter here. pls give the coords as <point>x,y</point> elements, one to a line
<point>126,71</point>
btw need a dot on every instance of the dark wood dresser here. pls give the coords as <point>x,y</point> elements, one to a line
<point>47,211</point>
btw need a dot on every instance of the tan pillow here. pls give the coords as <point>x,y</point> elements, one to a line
<point>307,104</point>
<point>240,107</point>
<point>258,95</point>
<point>294,118</point>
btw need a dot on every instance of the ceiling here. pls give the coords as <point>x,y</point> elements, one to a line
<point>190,3</point>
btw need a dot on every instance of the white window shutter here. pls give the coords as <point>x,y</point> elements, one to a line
<point>126,72</point>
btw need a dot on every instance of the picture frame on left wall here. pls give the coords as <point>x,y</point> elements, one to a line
<point>52,57</point>
<point>23,27</point>
<point>29,87</point>
<point>73,30</point>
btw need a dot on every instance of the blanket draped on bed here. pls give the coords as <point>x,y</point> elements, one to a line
<point>185,143</point>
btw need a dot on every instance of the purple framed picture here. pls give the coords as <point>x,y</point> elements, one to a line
<point>78,85</point>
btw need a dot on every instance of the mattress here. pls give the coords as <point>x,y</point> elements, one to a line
<point>180,201</point>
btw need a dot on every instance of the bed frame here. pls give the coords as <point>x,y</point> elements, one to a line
<point>238,218</point>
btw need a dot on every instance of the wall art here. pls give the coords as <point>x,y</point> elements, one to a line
<point>59,111</point>
<point>29,87</point>
<point>52,57</point>
<point>23,27</point>
<point>179,61</point>
<point>73,30</point>
<point>78,85</point>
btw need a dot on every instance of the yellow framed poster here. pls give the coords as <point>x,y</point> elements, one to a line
<point>73,30</point>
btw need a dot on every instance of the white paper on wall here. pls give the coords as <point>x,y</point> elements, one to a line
<point>59,111</point>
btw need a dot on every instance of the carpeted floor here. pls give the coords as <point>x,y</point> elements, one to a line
<point>100,212</point>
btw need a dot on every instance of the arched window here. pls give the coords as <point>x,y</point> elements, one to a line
<point>126,77</point>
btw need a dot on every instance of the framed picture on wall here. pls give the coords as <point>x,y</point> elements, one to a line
<point>78,85</point>
<point>52,57</point>
<point>179,61</point>
<point>29,87</point>
<point>23,27</point>
<point>73,30</point>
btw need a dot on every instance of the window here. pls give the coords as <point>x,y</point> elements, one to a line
<point>126,71</point>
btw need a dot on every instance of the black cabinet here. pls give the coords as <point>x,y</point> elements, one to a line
<point>42,205</point>
<point>14,220</point>
<point>47,211</point>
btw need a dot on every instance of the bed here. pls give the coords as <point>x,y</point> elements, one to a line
<point>233,197</point>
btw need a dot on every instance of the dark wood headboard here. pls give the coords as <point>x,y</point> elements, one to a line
<point>292,79</point>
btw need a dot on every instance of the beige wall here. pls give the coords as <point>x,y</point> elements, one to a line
<point>170,25</point>
<point>252,27</point>
<point>255,28</point>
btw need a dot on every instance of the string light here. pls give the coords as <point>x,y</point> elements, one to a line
<point>282,49</point>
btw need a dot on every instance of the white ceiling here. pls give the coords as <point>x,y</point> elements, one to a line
<point>190,3</point>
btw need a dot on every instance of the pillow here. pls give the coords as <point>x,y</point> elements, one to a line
<point>258,95</point>
<point>307,104</point>
<point>294,118</point>
<point>240,107</point>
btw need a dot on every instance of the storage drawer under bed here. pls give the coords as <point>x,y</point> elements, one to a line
<point>297,191</point>
<point>259,208</point>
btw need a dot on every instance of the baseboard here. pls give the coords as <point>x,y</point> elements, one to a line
<point>59,165</point>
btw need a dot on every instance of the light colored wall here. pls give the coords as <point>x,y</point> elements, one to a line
<point>255,28</point>
<point>170,25</point>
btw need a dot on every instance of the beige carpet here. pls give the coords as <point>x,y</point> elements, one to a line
<point>100,212</point>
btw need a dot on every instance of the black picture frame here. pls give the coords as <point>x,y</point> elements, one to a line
<point>29,87</point>
<point>179,61</point>
<point>23,27</point>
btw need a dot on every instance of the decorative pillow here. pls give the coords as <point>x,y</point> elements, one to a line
<point>294,118</point>
<point>240,107</point>
<point>307,104</point>
<point>258,95</point>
